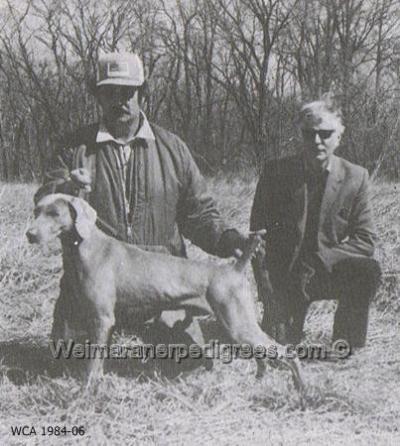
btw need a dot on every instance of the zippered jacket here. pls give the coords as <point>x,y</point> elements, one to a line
<point>168,199</point>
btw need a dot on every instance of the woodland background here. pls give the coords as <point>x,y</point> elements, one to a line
<point>227,76</point>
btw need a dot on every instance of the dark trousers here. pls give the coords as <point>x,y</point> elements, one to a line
<point>353,282</point>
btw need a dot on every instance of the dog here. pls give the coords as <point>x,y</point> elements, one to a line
<point>115,279</point>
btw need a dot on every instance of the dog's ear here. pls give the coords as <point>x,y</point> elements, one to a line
<point>85,216</point>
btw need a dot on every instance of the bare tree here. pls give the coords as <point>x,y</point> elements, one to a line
<point>226,75</point>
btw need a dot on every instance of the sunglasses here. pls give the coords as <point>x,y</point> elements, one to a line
<point>323,134</point>
<point>109,91</point>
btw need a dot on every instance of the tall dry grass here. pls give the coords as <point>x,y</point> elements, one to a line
<point>355,401</point>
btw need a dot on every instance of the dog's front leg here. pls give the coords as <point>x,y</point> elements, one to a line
<point>99,346</point>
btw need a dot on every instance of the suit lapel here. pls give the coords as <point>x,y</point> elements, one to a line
<point>300,200</point>
<point>334,179</point>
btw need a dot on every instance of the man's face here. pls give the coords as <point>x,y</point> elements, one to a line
<point>321,136</point>
<point>119,103</point>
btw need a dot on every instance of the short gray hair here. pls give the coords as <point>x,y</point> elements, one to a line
<point>313,112</point>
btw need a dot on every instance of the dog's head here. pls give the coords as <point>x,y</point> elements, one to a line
<point>57,214</point>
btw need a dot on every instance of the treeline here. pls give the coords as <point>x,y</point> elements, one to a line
<point>228,76</point>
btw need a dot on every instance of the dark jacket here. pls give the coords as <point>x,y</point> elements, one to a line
<point>280,205</point>
<point>169,199</point>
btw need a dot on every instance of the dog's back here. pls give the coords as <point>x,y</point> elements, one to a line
<point>156,279</point>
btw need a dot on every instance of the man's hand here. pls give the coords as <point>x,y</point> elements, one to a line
<point>62,181</point>
<point>81,178</point>
<point>230,242</point>
<point>246,241</point>
<point>234,243</point>
<point>261,252</point>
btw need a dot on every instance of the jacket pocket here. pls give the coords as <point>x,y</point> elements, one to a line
<point>341,225</point>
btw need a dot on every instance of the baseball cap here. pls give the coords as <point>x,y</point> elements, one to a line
<point>119,69</point>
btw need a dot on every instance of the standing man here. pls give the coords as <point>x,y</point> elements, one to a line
<point>141,179</point>
<point>320,234</point>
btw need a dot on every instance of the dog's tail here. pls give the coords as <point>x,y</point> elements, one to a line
<point>254,242</point>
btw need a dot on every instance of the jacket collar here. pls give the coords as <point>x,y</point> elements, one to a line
<point>335,176</point>
<point>145,132</point>
<point>336,168</point>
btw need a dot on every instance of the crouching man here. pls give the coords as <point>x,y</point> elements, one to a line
<point>320,234</point>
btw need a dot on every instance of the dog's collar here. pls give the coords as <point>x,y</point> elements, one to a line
<point>71,238</point>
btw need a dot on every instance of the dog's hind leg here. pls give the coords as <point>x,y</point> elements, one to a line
<point>235,309</point>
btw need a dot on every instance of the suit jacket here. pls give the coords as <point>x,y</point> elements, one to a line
<point>346,226</point>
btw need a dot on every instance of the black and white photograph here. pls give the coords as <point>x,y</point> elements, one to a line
<point>200,222</point>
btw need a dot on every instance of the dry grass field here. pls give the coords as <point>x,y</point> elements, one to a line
<point>349,402</point>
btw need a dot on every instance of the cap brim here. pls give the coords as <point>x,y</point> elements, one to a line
<point>125,82</point>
